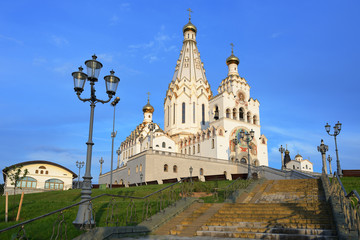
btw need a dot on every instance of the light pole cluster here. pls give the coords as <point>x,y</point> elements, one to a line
<point>248,137</point>
<point>337,129</point>
<point>282,150</point>
<point>323,149</point>
<point>79,165</point>
<point>113,135</point>
<point>84,215</point>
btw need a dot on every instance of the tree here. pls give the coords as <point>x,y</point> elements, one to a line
<point>14,175</point>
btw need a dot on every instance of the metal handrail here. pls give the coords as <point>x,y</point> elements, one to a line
<point>89,200</point>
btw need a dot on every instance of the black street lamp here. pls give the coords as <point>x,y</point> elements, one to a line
<point>323,149</point>
<point>118,151</point>
<point>248,137</point>
<point>337,129</point>
<point>236,142</point>
<point>191,170</point>
<point>79,165</point>
<point>84,215</point>
<point>113,135</point>
<point>282,150</point>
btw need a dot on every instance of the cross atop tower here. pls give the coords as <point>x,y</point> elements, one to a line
<point>232,48</point>
<point>148,93</point>
<point>189,13</point>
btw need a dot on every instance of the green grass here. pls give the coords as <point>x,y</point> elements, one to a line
<point>351,183</point>
<point>37,204</point>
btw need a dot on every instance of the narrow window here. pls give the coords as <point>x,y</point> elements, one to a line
<point>189,150</point>
<point>241,114</point>
<point>175,169</point>
<point>183,112</point>
<point>165,168</point>
<point>198,147</point>
<point>164,145</point>
<point>212,143</point>
<point>168,114</point>
<point>174,115</point>
<point>201,171</point>
<point>194,149</point>
<point>193,112</point>
<point>203,114</point>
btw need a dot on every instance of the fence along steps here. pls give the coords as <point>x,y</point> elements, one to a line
<point>278,209</point>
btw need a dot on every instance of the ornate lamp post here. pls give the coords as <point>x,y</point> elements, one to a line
<point>329,160</point>
<point>118,151</point>
<point>151,127</point>
<point>79,165</point>
<point>101,161</point>
<point>236,142</point>
<point>113,135</point>
<point>323,149</point>
<point>282,150</point>
<point>84,215</point>
<point>141,177</point>
<point>337,129</point>
<point>191,170</point>
<point>248,137</point>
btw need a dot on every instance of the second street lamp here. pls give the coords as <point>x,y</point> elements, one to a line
<point>84,216</point>
<point>79,165</point>
<point>113,135</point>
<point>248,137</point>
<point>337,129</point>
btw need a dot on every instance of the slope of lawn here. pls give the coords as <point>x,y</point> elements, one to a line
<point>37,204</point>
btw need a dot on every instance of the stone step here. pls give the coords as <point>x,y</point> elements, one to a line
<point>272,225</point>
<point>250,235</point>
<point>270,220</point>
<point>282,211</point>
<point>270,216</point>
<point>327,232</point>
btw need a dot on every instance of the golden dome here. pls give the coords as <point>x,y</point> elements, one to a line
<point>287,151</point>
<point>298,156</point>
<point>148,108</point>
<point>232,59</point>
<point>189,26</point>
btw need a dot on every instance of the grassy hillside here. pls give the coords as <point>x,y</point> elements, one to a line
<point>37,204</point>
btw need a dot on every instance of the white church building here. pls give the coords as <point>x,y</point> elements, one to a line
<point>199,128</point>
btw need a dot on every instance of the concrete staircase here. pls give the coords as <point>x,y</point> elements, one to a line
<point>276,209</point>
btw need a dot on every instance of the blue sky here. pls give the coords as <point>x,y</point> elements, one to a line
<point>301,59</point>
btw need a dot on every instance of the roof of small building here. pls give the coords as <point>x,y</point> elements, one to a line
<point>38,162</point>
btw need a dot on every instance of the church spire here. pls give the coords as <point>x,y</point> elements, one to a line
<point>232,62</point>
<point>189,29</point>
<point>148,110</point>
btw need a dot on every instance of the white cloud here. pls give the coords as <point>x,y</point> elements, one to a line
<point>39,61</point>
<point>105,57</point>
<point>59,41</point>
<point>11,39</point>
<point>151,58</point>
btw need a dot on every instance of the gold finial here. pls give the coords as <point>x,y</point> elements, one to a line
<point>232,48</point>
<point>189,13</point>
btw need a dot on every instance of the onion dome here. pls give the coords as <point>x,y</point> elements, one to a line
<point>148,108</point>
<point>189,26</point>
<point>298,156</point>
<point>232,58</point>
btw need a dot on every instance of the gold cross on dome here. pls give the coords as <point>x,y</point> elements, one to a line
<point>189,13</point>
<point>232,48</point>
<point>148,93</point>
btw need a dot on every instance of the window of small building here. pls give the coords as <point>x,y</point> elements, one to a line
<point>42,167</point>
<point>194,149</point>
<point>46,172</point>
<point>199,148</point>
<point>163,144</point>
<point>54,184</point>
<point>129,171</point>
<point>175,169</point>
<point>183,112</point>
<point>140,167</point>
<point>27,182</point>
<point>293,166</point>
<point>189,150</point>
<point>306,166</point>
<point>212,143</point>
<point>165,168</point>
<point>137,168</point>
<point>201,171</point>
<point>42,172</point>
<point>36,171</point>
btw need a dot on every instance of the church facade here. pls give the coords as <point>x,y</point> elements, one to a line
<point>197,124</point>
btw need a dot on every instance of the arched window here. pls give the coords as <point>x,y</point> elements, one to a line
<point>243,160</point>
<point>36,171</point>
<point>216,113</point>
<point>140,167</point>
<point>189,150</point>
<point>175,169</point>
<point>46,172</point>
<point>27,182</point>
<point>168,115</point>
<point>137,168</point>
<point>42,172</point>
<point>212,143</point>
<point>241,114</point>
<point>42,167</point>
<point>228,113</point>
<point>254,119</point>
<point>54,184</point>
<point>183,112</point>
<point>249,117</point>
<point>121,182</point>
<point>129,171</point>
<point>203,114</point>
<point>234,113</point>
<point>201,171</point>
<point>164,145</point>
<point>194,149</point>
<point>198,148</point>
<point>165,168</point>
<point>116,182</point>
<point>293,166</point>
<point>306,166</point>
